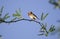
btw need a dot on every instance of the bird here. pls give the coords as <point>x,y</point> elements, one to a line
<point>32,15</point>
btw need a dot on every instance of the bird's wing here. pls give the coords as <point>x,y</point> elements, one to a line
<point>35,16</point>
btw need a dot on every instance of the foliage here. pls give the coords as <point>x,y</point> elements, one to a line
<point>43,16</point>
<point>55,3</point>
<point>17,14</point>
<point>1,10</point>
<point>6,16</point>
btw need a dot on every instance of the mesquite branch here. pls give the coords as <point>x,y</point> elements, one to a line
<point>22,20</point>
<point>19,16</point>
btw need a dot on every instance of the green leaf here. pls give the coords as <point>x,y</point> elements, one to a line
<point>43,27</point>
<point>6,16</point>
<point>46,34</point>
<point>52,28</point>
<point>45,16</point>
<point>42,16</point>
<point>17,14</point>
<point>1,10</point>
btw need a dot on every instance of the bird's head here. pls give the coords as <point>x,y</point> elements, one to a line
<point>29,13</point>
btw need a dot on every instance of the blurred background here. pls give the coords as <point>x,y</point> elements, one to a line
<point>26,29</point>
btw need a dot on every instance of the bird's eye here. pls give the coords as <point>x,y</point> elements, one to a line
<point>30,12</point>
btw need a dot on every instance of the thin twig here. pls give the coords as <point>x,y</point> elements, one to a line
<point>22,20</point>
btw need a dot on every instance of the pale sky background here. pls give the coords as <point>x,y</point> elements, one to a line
<point>25,29</point>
